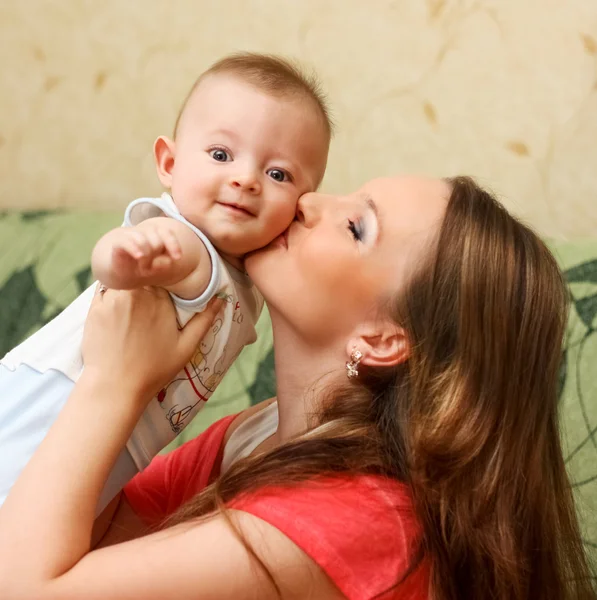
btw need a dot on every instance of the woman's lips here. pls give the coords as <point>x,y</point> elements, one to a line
<point>282,240</point>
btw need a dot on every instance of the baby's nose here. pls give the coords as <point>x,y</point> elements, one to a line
<point>246,182</point>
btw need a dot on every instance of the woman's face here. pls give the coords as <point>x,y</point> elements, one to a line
<point>343,254</point>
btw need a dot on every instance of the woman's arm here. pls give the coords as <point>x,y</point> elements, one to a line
<point>117,523</point>
<point>191,562</point>
<point>45,544</point>
<point>46,522</point>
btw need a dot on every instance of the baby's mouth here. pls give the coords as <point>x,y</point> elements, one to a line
<point>237,208</point>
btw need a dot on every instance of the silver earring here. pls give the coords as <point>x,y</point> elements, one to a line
<point>352,367</point>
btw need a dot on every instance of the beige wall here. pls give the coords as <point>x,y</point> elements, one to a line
<point>502,89</point>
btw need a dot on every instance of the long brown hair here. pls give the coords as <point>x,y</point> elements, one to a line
<point>469,422</point>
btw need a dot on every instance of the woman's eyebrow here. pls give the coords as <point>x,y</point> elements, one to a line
<point>368,200</point>
<point>371,204</point>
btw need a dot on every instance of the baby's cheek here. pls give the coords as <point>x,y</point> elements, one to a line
<point>281,217</point>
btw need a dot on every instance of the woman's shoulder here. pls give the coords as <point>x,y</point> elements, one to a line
<point>360,496</point>
<point>360,529</point>
<point>241,417</point>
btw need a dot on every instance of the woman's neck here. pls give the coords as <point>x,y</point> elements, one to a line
<point>303,375</point>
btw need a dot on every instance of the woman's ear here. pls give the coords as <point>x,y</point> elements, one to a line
<point>381,344</point>
<point>163,153</point>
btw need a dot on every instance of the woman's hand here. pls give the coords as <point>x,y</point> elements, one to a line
<point>132,339</point>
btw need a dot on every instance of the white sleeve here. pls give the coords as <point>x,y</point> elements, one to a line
<point>145,208</point>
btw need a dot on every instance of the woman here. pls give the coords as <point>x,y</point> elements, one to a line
<point>412,450</point>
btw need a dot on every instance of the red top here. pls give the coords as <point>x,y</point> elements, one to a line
<point>360,530</point>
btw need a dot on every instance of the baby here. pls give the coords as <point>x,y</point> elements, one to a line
<point>252,136</point>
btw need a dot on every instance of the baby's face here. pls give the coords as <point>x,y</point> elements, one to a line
<point>241,161</point>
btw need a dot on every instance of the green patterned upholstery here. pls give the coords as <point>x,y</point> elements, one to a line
<point>45,264</point>
<point>578,382</point>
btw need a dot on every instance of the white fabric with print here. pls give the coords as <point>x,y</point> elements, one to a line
<point>57,346</point>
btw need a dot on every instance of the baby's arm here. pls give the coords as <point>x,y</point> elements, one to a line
<point>160,251</point>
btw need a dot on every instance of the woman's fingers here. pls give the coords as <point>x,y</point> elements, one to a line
<point>133,336</point>
<point>100,290</point>
<point>196,329</point>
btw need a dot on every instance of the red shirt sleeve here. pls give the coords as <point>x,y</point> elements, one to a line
<point>360,530</point>
<point>172,479</point>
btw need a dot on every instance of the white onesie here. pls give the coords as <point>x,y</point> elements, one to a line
<point>57,348</point>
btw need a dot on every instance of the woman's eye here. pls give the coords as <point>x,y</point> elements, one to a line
<point>278,175</point>
<point>356,228</point>
<point>219,155</point>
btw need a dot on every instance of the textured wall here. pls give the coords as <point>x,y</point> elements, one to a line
<point>502,89</point>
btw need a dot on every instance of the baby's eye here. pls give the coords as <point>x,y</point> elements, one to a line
<point>279,175</point>
<point>357,230</point>
<point>220,155</point>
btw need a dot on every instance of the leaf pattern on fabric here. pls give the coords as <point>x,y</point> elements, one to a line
<point>83,278</point>
<point>264,385</point>
<point>587,309</point>
<point>578,393</point>
<point>21,308</point>
<point>584,272</point>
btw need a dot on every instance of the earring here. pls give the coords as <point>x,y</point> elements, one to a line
<point>352,367</point>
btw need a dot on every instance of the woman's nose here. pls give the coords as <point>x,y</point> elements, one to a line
<point>310,207</point>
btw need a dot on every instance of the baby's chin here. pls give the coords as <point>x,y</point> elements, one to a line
<point>230,251</point>
<point>237,247</point>
<point>255,258</point>
<point>232,244</point>
<point>231,255</point>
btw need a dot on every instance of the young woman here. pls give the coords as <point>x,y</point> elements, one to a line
<point>412,450</point>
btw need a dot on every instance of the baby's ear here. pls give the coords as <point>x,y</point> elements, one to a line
<point>163,153</point>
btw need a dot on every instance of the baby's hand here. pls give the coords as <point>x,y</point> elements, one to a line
<point>131,257</point>
<point>147,250</point>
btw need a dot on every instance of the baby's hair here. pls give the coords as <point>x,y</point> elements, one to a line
<point>271,74</point>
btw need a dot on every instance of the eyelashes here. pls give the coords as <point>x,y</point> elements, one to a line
<point>356,229</point>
